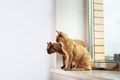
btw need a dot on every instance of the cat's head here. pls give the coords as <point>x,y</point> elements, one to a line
<point>61,36</point>
<point>52,47</point>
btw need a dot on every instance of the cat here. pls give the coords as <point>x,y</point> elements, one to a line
<point>74,53</point>
<point>56,47</point>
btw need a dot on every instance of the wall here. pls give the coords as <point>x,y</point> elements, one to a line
<point>70,18</point>
<point>25,27</point>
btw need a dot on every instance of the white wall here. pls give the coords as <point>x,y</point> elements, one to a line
<point>70,18</point>
<point>25,27</point>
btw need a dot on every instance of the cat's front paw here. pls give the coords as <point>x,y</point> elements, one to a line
<point>62,67</point>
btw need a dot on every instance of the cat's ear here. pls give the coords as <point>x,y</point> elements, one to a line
<point>58,32</point>
<point>48,42</point>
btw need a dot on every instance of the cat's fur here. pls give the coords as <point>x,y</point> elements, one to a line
<point>74,53</point>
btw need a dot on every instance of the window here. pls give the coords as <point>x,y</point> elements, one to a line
<point>112,29</point>
<point>104,30</point>
<point>86,20</point>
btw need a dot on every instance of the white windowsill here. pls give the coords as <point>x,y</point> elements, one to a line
<point>88,75</point>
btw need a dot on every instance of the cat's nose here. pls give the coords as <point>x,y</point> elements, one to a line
<point>48,51</point>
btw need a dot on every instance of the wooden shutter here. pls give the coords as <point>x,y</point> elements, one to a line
<point>98,30</point>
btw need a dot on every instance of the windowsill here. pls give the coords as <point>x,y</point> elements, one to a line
<point>89,75</point>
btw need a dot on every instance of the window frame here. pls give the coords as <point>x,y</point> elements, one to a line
<point>91,28</point>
